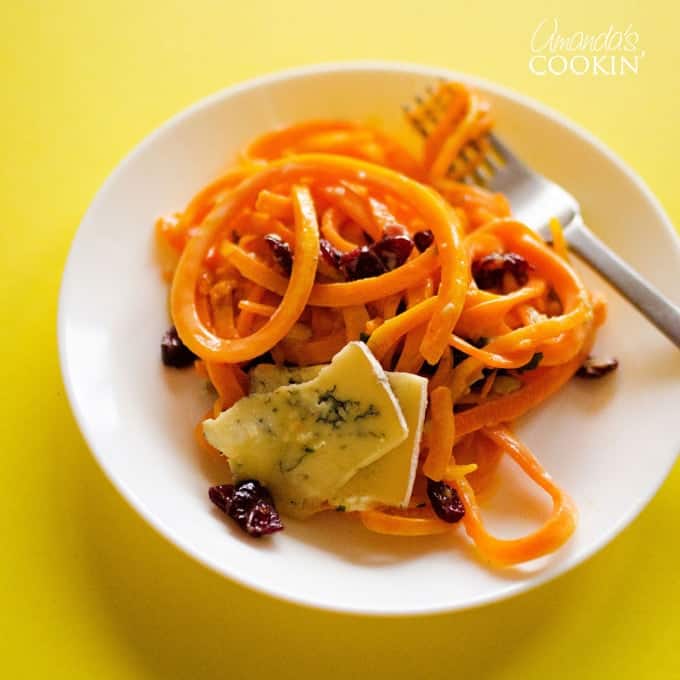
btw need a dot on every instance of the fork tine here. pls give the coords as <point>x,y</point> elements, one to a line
<point>479,177</point>
<point>503,151</point>
<point>489,156</point>
<point>423,112</point>
<point>484,157</point>
<point>418,125</point>
<point>430,91</point>
<point>425,108</point>
<point>415,122</point>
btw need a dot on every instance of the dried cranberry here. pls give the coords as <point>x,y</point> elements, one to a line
<point>281,252</point>
<point>362,263</point>
<point>445,501</point>
<point>596,368</point>
<point>488,271</point>
<point>331,255</point>
<point>423,239</point>
<point>393,250</point>
<point>222,496</point>
<point>380,257</point>
<point>250,504</point>
<point>174,352</point>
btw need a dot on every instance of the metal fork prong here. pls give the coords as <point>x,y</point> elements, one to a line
<point>486,152</point>
<point>424,107</point>
<point>492,164</point>
<point>437,101</point>
<point>414,120</point>
<point>418,125</point>
<point>503,151</point>
<point>479,177</point>
<point>469,152</point>
<point>455,164</point>
<point>428,109</point>
<point>488,168</point>
<point>474,157</point>
<point>494,159</point>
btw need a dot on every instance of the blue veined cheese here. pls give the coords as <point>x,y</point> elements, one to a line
<point>388,480</point>
<point>305,441</point>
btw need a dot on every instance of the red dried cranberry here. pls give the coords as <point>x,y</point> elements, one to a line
<point>593,368</point>
<point>222,496</point>
<point>380,257</point>
<point>250,504</point>
<point>488,271</point>
<point>263,519</point>
<point>174,352</point>
<point>445,501</point>
<point>393,250</point>
<point>281,252</point>
<point>423,239</point>
<point>361,263</point>
<point>331,255</point>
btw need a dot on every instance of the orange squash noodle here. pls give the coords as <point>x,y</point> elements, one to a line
<point>260,262</point>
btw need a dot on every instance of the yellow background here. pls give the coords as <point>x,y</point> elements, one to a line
<point>88,590</point>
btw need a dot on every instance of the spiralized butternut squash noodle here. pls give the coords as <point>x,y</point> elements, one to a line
<point>277,257</point>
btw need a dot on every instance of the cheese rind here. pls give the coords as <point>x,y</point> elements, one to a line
<point>305,441</point>
<point>388,480</point>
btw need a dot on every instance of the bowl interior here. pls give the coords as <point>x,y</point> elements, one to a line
<point>138,417</point>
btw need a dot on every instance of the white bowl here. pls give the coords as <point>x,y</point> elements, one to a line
<point>609,443</point>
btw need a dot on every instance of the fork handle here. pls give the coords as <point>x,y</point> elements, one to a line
<point>647,299</point>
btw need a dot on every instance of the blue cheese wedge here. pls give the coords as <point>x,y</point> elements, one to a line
<point>388,480</point>
<point>305,441</point>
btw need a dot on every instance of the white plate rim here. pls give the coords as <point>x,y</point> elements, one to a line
<point>169,534</point>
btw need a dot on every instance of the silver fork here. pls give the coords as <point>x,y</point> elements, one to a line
<point>536,200</point>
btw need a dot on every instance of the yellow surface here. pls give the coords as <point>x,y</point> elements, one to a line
<point>89,591</point>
